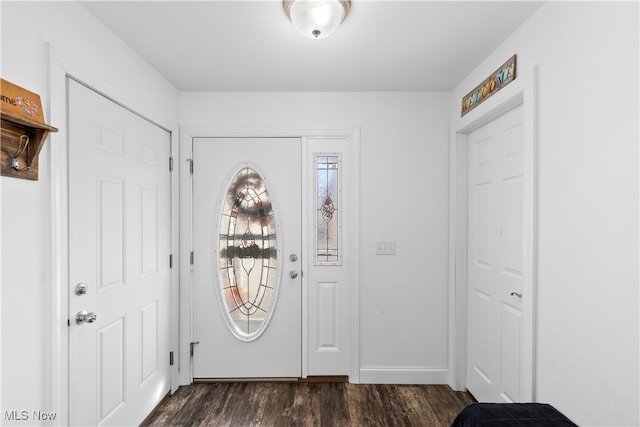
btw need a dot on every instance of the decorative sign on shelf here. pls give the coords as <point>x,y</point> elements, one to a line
<point>22,131</point>
<point>20,101</point>
<point>496,81</point>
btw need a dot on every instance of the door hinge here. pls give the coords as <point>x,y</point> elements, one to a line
<point>68,322</point>
<point>191,345</point>
<point>171,358</point>
<point>191,166</point>
<point>171,261</point>
<point>191,258</point>
<point>170,164</point>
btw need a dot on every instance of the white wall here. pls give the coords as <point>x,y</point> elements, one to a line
<point>588,197</point>
<point>587,327</point>
<point>90,52</point>
<point>404,197</point>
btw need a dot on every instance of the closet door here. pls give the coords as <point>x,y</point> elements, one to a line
<point>119,245</point>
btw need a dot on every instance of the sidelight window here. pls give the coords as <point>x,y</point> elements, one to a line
<point>328,225</point>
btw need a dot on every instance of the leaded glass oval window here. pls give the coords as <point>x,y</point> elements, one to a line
<point>247,261</point>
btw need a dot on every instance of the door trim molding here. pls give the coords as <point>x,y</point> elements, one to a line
<point>187,134</point>
<point>56,392</point>
<point>57,386</point>
<point>522,91</point>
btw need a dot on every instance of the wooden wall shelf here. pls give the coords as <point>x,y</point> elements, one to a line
<point>16,131</point>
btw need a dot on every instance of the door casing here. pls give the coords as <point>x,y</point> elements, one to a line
<point>56,392</point>
<point>186,233</point>
<point>521,91</point>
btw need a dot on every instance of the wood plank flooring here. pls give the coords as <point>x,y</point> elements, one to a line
<point>282,404</point>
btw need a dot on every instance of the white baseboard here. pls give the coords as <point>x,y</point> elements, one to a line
<point>394,375</point>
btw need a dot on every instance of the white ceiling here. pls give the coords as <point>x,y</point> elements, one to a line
<point>238,45</point>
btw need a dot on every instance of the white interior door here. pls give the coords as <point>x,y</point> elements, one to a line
<point>247,257</point>
<point>119,245</point>
<point>496,260</point>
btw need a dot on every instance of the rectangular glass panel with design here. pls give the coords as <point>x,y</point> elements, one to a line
<point>328,226</point>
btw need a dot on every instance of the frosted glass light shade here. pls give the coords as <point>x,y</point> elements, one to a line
<point>316,19</point>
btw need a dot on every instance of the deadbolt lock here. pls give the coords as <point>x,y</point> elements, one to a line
<point>81,289</point>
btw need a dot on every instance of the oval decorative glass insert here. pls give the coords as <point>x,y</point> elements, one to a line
<point>247,254</point>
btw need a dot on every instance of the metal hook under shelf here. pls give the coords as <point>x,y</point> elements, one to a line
<point>13,162</point>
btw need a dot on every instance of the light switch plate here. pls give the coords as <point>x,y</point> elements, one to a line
<point>386,247</point>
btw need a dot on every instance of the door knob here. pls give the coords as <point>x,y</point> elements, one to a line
<point>84,317</point>
<point>516,294</point>
<point>293,274</point>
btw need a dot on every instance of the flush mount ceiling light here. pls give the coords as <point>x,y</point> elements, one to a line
<point>316,19</point>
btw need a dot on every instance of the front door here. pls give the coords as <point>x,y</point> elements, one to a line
<point>495,358</point>
<point>119,245</point>
<point>247,258</point>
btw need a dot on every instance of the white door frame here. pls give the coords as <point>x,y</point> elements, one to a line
<point>57,253</point>
<point>186,233</point>
<point>521,91</point>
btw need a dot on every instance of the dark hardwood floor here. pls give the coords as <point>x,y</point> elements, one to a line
<point>281,404</point>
